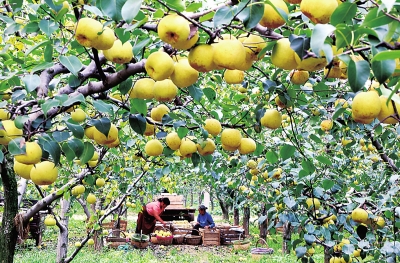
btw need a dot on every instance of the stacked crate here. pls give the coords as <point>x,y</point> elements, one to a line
<point>211,237</point>
<point>228,235</point>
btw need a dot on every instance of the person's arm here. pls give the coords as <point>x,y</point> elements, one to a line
<point>198,221</point>
<point>210,220</point>
<point>158,218</point>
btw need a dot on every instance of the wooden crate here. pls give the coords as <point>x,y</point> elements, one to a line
<point>111,225</point>
<point>211,237</point>
<point>228,236</point>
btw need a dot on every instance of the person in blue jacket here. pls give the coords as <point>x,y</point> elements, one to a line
<point>204,220</point>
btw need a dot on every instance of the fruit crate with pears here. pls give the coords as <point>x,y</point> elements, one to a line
<point>164,237</point>
<point>211,237</point>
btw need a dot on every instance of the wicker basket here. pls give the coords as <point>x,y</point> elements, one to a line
<point>140,241</point>
<point>153,238</point>
<point>241,244</point>
<point>165,240</point>
<point>193,240</point>
<point>178,239</point>
<point>258,253</point>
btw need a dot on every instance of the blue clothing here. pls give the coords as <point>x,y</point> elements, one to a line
<point>205,220</point>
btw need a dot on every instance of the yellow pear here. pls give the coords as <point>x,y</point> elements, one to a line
<point>313,203</point>
<point>113,144</point>
<point>165,90</point>
<point>23,170</point>
<point>102,139</point>
<point>44,173</point>
<point>90,131</point>
<point>231,138</point>
<point>187,44</point>
<point>326,125</point>
<point>119,53</point>
<point>318,11</point>
<point>333,72</point>
<point>247,145</point>
<point>150,129</point>
<point>78,115</point>
<point>105,40</point>
<point>184,75</point>
<point>142,89</point>
<point>387,110</point>
<point>229,54</point>
<point>283,56</point>
<point>201,58</point>
<point>366,106</point>
<point>212,126</point>
<point>4,115</point>
<point>254,46</point>
<point>233,76</point>
<point>33,154</point>
<point>299,77</point>
<point>100,182</point>
<point>271,18</point>
<point>272,119</point>
<point>342,102</point>
<point>173,29</point>
<point>229,148</point>
<point>293,1</point>
<point>359,215</point>
<point>9,132</point>
<point>91,199</point>
<point>87,30</point>
<point>173,140</point>
<point>154,148</point>
<point>311,63</point>
<point>159,65</point>
<point>207,147</point>
<point>158,112</point>
<point>187,147</point>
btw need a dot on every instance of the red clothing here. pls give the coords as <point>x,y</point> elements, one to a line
<point>154,208</point>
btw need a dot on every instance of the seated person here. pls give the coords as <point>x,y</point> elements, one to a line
<point>204,220</point>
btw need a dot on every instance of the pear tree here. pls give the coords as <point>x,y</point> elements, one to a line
<point>167,92</point>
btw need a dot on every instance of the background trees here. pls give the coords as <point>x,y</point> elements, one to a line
<point>322,148</point>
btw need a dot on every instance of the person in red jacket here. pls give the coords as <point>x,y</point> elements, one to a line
<point>150,214</point>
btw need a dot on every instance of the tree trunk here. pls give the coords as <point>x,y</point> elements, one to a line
<point>8,230</point>
<point>246,220</point>
<point>200,199</point>
<point>62,244</point>
<point>287,237</point>
<point>225,209</point>
<point>191,198</point>
<point>236,217</point>
<point>264,225</point>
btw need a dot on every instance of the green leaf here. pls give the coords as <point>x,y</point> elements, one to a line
<point>125,86</point>
<point>138,123</point>
<point>32,27</point>
<point>88,151</point>
<point>319,34</point>
<point>385,55</point>
<point>178,5</point>
<point>72,63</point>
<point>383,69</point>
<point>344,13</point>
<point>77,146</point>
<point>300,251</point>
<point>31,82</point>
<point>48,26</point>
<point>375,18</point>
<point>193,7</point>
<point>49,104</point>
<point>111,8</point>
<point>42,66</point>
<point>324,160</point>
<point>130,9</point>
<point>53,148</point>
<point>287,151</point>
<point>72,101</point>
<point>328,184</point>
<point>182,132</point>
<point>272,157</point>
<point>252,14</point>
<point>60,136</point>
<point>210,94</point>
<point>139,105</point>
<point>68,152</point>
<point>38,45</point>
<point>223,16</point>
<point>338,113</point>
<point>138,47</point>
<point>17,146</point>
<point>103,125</point>
<point>344,35</point>
<point>358,73</point>
<point>76,129</point>
<point>195,159</point>
<point>300,44</point>
<point>308,166</point>
<point>1,157</point>
<point>195,92</point>
<point>103,107</point>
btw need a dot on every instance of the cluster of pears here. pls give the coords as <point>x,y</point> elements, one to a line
<point>368,105</point>
<point>110,140</point>
<point>91,33</point>
<point>163,233</point>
